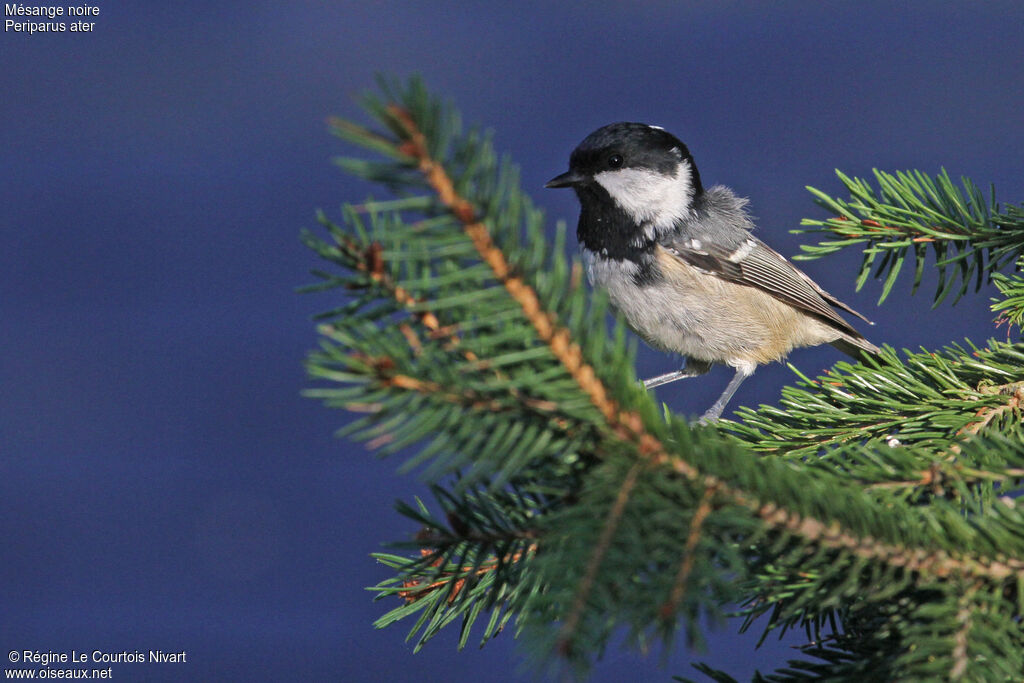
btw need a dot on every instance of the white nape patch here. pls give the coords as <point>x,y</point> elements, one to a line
<point>651,199</point>
<point>742,251</point>
<point>696,245</point>
<point>655,127</point>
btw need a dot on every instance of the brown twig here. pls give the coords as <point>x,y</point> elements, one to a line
<point>383,369</point>
<point>611,524</point>
<point>1016,401</point>
<point>961,653</point>
<point>417,590</point>
<point>668,610</point>
<point>875,226</point>
<point>370,260</point>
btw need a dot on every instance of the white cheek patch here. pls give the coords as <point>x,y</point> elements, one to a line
<point>650,198</point>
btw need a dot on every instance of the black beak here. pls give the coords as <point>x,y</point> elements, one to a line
<point>567,179</point>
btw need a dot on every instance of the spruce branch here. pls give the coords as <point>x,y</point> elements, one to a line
<point>928,400</point>
<point>1010,309</point>
<point>628,426</point>
<point>574,505</point>
<point>970,237</point>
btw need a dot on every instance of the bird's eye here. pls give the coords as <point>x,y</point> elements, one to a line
<point>615,161</point>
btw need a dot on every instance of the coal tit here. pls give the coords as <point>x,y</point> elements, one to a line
<point>681,265</point>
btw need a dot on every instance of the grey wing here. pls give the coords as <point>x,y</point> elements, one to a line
<point>755,264</point>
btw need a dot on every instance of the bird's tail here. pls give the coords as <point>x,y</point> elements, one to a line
<point>855,346</point>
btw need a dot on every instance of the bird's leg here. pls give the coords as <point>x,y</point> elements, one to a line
<point>715,411</point>
<point>692,368</point>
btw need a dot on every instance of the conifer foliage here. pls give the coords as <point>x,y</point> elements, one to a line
<point>873,506</point>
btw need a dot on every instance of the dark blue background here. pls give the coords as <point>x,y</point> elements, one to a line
<point>162,483</point>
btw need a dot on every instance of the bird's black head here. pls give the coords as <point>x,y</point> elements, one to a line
<point>633,182</point>
<point>626,146</point>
